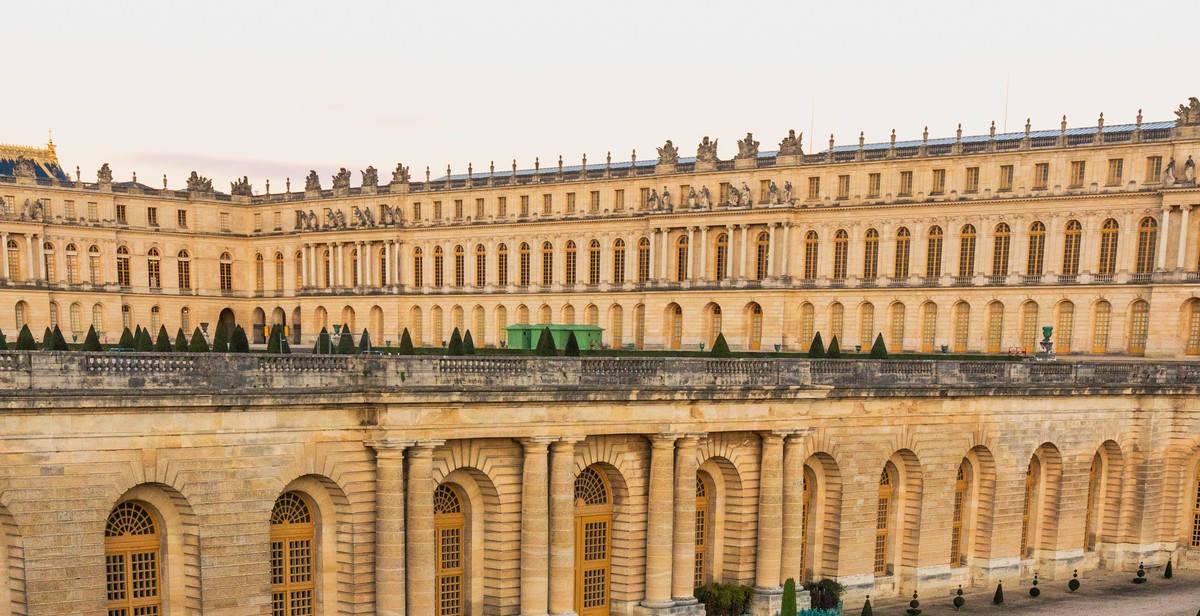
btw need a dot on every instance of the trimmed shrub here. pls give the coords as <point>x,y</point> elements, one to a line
<point>545,345</point>
<point>273,339</point>
<point>571,349</point>
<point>468,344</point>
<point>879,349</point>
<point>238,342</point>
<point>720,347</point>
<point>25,339</point>
<point>48,340</point>
<point>162,344</point>
<point>835,350</point>
<point>364,342</point>
<point>91,342</point>
<point>816,350</point>
<point>825,594</point>
<point>1168,573</point>
<point>323,345</point>
<point>406,344</point>
<point>455,347</point>
<point>127,340</point>
<point>3,342</point>
<point>724,599</point>
<point>284,347</point>
<point>998,598</point>
<point>181,341</point>
<point>198,343</point>
<point>60,343</point>
<point>345,344</point>
<point>144,343</point>
<point>867,611</point>
<point>220,340</point>
<point>788,608</point>
<point>959,601</point>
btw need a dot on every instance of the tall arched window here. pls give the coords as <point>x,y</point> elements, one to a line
<point>1192,323</point>
<point>1147,242</point>
<point>928,327</point>
<point>841,250</point>
<point>72,264</point>
<point>966,251</point>
<point>293,557</point>
<point>675,328</point>
<point>698,577</point>
<point>480,265</point>
<point>995,332</point>
<point>643,260</point>
<point>279,272</point>
<point>94,274</point>
<point>20,314</point>
<point>571,271</point>
<point>153,270</point>
<point>903,247</point>
<point>1029,326</point>
<point>460,266</point>
<point>756,318</point>
<point>1072,238</point>
<point>897,328</point>
<point>618,273</point>
<point>812,249</point>
<point>808,326</point>
<point>616,326</point>
<point>126,316</point>
<point>883,519</point>
<point>450,540</point>
<point>502,265</point>
<point>1139,327</point>
<point>123,277</point>
<point>837,322</point>
<point>133,560</point>
<point>155,320</point>
<point>1065,331</point>
<point>439,267</point>
<point>14,260</point>
<point>1000,247</point>
<point>418,267</point>
<point>762,252</point>
<point>568,315</point>
<point>53,315</point>
<point>226,272</point>
<point>681,259</point>
<point>260,274</point>
<point>1109,235</point>
<point>933,252</point>
<point>722,256</point>
<point>593,543</point>
<point>866,325</point>
<point>871,255</point>
<point>594,262</point>
<point>48,259</point>
<point>544,315</point>
<point>639,326</point>
<point>957,557</point>
<point>714,324</point>
<point>185,319</point>
<point>523,255</point>
<point>1036,258</point>
<point>501,315</point>
<point>98,317</point>
<point>962,326</point>
<point>547,263</point>
<point>76,314</point>
<point>183,266</point>
<point>381,257</point>
<point>1101,322</point>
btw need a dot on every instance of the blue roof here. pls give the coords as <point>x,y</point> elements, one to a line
<point>42,170</point>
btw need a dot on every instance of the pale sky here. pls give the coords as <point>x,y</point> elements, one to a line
<point>271,90</point>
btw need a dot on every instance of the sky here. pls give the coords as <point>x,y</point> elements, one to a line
<point>270,90</point>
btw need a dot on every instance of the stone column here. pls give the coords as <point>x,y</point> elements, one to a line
<point>33,266</point>
<point>4,255</point>
<point>785,254</point>
<point>535,548</point>
<point>652,268</point>
<point>658,523</point>
<point>666,255</point>
<point>419,544</point>
<point>770,515</point>
<point>389,527</point>
<point>1180,254</point>
<point>702,268</point>
<point>691,253</point>
<point>683,572</point>
<point>562,526</point>
<point>793,509</point>
<point>1161,262</point>
<point>745,250</point>
<point>771,250</point>
<point>729,253</point>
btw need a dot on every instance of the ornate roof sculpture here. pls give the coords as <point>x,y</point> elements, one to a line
<point>42,162</point>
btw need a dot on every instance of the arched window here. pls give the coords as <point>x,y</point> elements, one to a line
<point>811,252</point>
<point>98,317</point>
<point>20,314</point>
<point>460,266</point>
<point>808,328</point>
<point>995,333</point>
<point>698,577</point>
<point>1036,258</point>
<point>593,543</point>
<point>94,274</point>
<point>1071,241</point>
<point>153,271</point>
<point>714,324</point>
<point>48,258</point>
<point>1109,235</point>
<point>436,323</point>
<point>897,329</point>
<point>449,541</point>
<point>1139,327</point>
<point>639,326</point>
<point>722,257</point>
<point>126,317</point>
<point>883,519</point>
<point>871,255</point>
<point>279,271</point>
<point>957,557</point>
<point>155,320</point>
<point>568,315</point>
<point>76,313</point>
<point>133,560</point>
<point>591,315</point>
<point>418,267</point>
<point>903,245</point>
<point>480,265</point>
<point>547,263</point>
<point>841,250</point>
<point>929,315</point>
<point>439,267</point>
<point>1147,241</point>
<point>502,266</point>
<point>523,253</point>
<point>53,315</point>
<point>14,260</point>
<point>185,319</point>
<point>618,275</point>
<point>643,260</point>
<point>866,325</point>
<point>962,326</point>
<point>417,321</point>
<point>226,272</point>
<point>571,269</point>
<point>293,557</point>
<point>1101,322</point>
<point>675,327</point>
<point>755,313</point>
<point>523,314</point>
<point>123,277</point>
<point>966,252</point>
<point>501,322</point>
<point>933,252</point>
<point>616,326</point>
<point>762,250</point>
<point>1192,322</point>
<point>384,267</point>
<point>1065,330</point>
<point>183,266</point>
<point>544,315</point>
<point>260,274</point>
<point>1000,247</point>
<point>837,316</point>
<point>1029,326</point>
<point>594,262</point>
<point>72,264</point>
<point>681,259</point>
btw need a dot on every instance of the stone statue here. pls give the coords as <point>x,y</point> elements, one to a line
<point>787,192</point>
<point>104,174</point>
<point>342,179</point>
<point>370,218</point>
<point>241,188</point>
<point>1189,170</point>
<point>1168,174</point>
<point>400,175</point>
<point>748,147</point>
<point>652,202</point>
<point>707,151</point>
<point>38,211</point>
<point>3,207</point>
<point>691,197</point>
<point>773,193</point>
<point>24,168</point>
<point>792,145</point>
<point>1189,115</point>
<point>360,219</point>
<point>387,215</point>
<point>705,198</point>
<point>734,196</point>
<point>312,182</point>
<point>668,154</point>
<point>199,183</point>
<point>370,177</point>
<point>666,199</point>
<point>746,199</point>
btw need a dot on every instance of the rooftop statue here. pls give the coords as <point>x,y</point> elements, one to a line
<point>24,168</point>
<point>400,175</point>
<point>704,198</point>
<point>745,199</point>
<point>748,147</point>
<point>1189,170</point>
<point>692,197</point>
<point>734,196</point>
<point>370,177</point>
<point>787,191</point>
<point>104,174</point>
<point>666,199</point>
<point>199,183</point>
<point>668,154</point>
<point>1189,115</point>
<point>792,145</point>
<point>241,188</point>
<point>707,151</point>
<point>342,179</point>
<point>312,182</point>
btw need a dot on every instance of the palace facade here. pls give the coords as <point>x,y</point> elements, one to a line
<point>968,244</point>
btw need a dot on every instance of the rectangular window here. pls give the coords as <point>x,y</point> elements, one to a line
<point>1006,178</point>
<point>619,200</point>
<point>224,221</point>
<point>873,184</point>
<point>764,191</point>
<point>1153,168</point>
<point>1116,171</point>
<point>723,192</point>
<point>570,203</point>
<point>906,184</point>
<point>69,206</point>
<point>501,207</point>
<point>645,198</point>
<point>547,204</point>
<point>152,216</point>
<point>181,218</point>
<point>939,182</point>
<point>524,205</point>
<point>121,213</point>
<point>278,221</point>
<point>458,209</point>
<point>257,222</point>
<point>972,185</point>
<point>594,204</point>
<point>437,210</point>
<point>417,210</point>
<point>843,191</point>
<point>814,188</point>
<point>1041,176</point>
<point>93,211</point>
<point>479,209</point>
<point>1078,168</point>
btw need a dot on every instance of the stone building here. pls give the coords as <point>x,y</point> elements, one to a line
<point>301,484</point>
<point>968,243</point>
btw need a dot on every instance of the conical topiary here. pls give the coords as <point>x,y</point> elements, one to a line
<point>1034,591</point>
<point>25,339</point>
<point>238,342</point>
<point>816,350</point>
<point>364,342</point>
<point>273,339</point>
<point>835,350</point>
<point>144,343</point>
<point>3,342</point>
<point>468,344</point>
<point>323,344</point>
<point>545,344</point>
<point>198,344</point>
<point>181,341</point>
<point>406,343</point>
<point>162,344</point>
<point>48,340</point>
<point>137,334</point>
<point>788,608</point>
<point>127,340</point>
<point>879,349</point>
<point>345,345</point>
<point>998,598</point>
<point>1073,585</point>
<point>91,342</point>
<point>220,340</point>
<point>867,611</point>
<point>284,347</point>
<point>455,347</point>
<point>959,601</point>
<point>60,343</point>
<point>571,349</point>
<point>1168,573</point>
<point>720,348</point>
